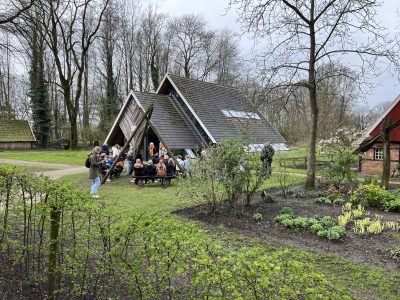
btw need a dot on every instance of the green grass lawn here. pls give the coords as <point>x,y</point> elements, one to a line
<point>69,157</point>
<point>31,168</point>
<point>295,156</point>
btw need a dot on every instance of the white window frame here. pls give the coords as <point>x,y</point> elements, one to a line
<point>378,154</point>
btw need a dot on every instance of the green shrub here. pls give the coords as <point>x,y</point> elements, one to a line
<point>286,211</point>
<point>258,217</point>
<point>338,201</point>
<point>395,253</point>
<point>268,199</point>
<point>323,200</point>
<point>374,196</point>
<point>325,227</point>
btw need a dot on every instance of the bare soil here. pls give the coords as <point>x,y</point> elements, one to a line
<point>371,250</point>
<point>13,285</point>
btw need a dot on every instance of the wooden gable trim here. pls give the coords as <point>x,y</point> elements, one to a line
<point>123,108</point>
<point>379,121</point>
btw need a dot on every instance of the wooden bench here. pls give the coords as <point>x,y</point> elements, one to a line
<point>163,179</point>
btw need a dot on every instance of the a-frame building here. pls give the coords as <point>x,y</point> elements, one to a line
<point>191,114</point>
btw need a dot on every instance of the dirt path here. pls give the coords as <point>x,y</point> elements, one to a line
<point>60,169</point>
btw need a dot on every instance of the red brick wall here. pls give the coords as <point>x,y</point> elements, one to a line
<point>369,166</point>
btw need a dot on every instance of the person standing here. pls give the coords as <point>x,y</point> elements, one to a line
<point>162,151</point>
<point>94,171</point>
<point>267,154</point>
<point>152,150</point>
<point>129,161</point>
<point>186,165</point>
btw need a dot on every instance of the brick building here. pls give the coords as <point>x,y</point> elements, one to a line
<point>372,147</point>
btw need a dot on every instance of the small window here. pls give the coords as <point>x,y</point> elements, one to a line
<point>378,154</point>
<point>240,114</point>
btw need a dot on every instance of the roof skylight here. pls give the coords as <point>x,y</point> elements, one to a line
<point>240,114</point>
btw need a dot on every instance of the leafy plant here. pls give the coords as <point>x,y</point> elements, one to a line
<point>375,196</point>
<point>325,227</point>
<point>395,253</point>
<point>268,198</point>
<point>258,217</point>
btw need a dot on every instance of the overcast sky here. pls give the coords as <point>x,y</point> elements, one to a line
<point>216,15</point>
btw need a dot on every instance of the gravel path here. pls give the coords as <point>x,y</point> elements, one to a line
<point>61,169</point>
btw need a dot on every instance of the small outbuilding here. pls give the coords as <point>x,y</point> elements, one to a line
<point>372,146</point>
<point>16,134</point>
<point>190,114</point>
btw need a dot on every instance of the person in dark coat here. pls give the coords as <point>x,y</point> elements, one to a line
<point>267,153</point>
<point>94,171</point>
<point>150,170</point>
<point>171,170</point>
<point>139,171</point>
<point>104,149</point>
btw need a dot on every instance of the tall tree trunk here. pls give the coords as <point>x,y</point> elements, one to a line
<point>310,180</point>
<point>85,115</point>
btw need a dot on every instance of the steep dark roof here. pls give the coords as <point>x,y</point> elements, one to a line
<point>208,100</point>
<point>15,131</point>
<point>167,121</point>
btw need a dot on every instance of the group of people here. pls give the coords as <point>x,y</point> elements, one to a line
<point>159,165</point>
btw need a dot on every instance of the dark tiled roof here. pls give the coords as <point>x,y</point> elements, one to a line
<point>208,100</point>
<point>15,131</point>
<point>167,121</point>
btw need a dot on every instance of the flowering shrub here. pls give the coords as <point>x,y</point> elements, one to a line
<point>340,148</point>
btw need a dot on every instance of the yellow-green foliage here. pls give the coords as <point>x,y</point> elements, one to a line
<point>393,225</point>
<point>344,219</point>
<point>364,225</point>
<point>358,212</point>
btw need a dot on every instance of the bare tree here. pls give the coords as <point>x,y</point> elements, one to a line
<point>13,9</point>
<point>189,33</point>
<point>69,29</point>
<point>302,35</point>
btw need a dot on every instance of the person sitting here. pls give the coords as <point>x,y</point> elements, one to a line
<point>150,170</point>
<point>165,160</point>
<point>139,171</point>
<point>161,170</point>
<point>171,170</point>
<point>109,163</point>
<point>105,150</point>
<point>155,159</point>
<point>103,166</point>
<point>115,150</point>
<point>119,167</point>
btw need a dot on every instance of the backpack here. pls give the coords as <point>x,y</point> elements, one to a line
<point>87,162</point>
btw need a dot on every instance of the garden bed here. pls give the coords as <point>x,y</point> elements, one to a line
<point>371,250</point>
